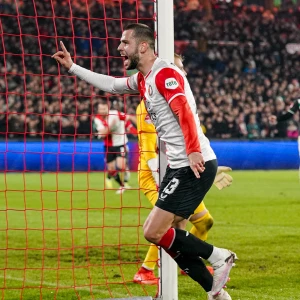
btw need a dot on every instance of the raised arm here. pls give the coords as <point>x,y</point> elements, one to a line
<point>290,113</point>
<point>110,84</point>
<point>286,115</point>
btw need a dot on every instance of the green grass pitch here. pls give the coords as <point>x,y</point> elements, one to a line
<point>63,230</point>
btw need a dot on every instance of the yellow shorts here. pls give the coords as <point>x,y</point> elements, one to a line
<point>200,208</point>
<point>145,178</point>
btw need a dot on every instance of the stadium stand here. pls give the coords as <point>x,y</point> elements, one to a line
<point>240,63</point>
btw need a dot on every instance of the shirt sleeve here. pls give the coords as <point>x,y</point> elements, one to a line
<point>289,114</point>
<point>110,84</point>
<point>122,116</point>
<point>187,123</point>
<point>169,83</point>
<point>295,107</point>
<point>130,128</point>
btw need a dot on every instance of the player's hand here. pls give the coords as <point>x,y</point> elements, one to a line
<point>196,163</point>
<point>223,179</point>
<point>153,166</point>
<point>155,175</point>
<point>273,120</point>
<point>63,57</point>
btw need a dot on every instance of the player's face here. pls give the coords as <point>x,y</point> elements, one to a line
<point>103,110</point>
<point>129,50</point>
<point>179,64</point>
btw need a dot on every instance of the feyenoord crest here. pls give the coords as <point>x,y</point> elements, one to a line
<point>150,90</point>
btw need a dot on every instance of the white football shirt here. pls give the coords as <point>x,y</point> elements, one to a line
<point>116,124</point>
<point>159,87</point>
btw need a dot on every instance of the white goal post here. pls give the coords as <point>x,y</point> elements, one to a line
<point>164,26</point>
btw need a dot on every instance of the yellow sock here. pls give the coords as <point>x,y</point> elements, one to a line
<point>151,258</point>
<point>152,254</point>
<point>201,226</point>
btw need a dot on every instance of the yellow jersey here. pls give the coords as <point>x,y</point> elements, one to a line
<point>147,138</point>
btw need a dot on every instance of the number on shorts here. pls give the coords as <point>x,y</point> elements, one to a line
<point>171,187</point>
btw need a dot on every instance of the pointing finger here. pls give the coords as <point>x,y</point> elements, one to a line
<point>63,47</point>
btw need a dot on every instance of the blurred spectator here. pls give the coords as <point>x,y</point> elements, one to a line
<point>253,128</point>
<point>242,126</point>
<point>292,129</point>
<point>239,66</point>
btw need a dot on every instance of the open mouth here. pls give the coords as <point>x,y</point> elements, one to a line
<point>125,60</point>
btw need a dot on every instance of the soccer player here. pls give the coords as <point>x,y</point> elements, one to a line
<point>148,181</point>
<point>110,126</point>
<point>192,162</point>
<point>294,108</point>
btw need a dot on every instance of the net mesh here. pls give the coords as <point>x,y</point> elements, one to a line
<point>62,233</point>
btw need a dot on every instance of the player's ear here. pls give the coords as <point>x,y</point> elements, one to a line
<point>143,47</point>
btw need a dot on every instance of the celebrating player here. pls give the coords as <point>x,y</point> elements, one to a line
<point>148,181</point>
<point>110,126</point>
<point>192,162</point>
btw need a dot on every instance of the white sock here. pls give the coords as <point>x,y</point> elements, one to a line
<point>216,255</point>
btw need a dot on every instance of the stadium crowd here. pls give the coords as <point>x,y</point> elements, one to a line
<point>241,64</point>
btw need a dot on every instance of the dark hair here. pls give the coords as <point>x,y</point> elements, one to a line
<point>104,102</point>
<point>142,33</point>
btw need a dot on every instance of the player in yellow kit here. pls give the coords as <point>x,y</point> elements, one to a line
<point>148,178</point>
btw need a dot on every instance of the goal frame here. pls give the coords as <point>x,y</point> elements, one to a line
<point>164,27</point>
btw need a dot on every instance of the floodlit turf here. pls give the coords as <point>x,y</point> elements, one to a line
<point>58,231</point>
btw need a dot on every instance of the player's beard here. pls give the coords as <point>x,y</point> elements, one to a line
<point>134,60</point>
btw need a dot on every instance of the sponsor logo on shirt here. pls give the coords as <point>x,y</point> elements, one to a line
<point>171,83</point>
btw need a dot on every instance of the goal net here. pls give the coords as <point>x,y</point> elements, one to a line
<point>63,234</point>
